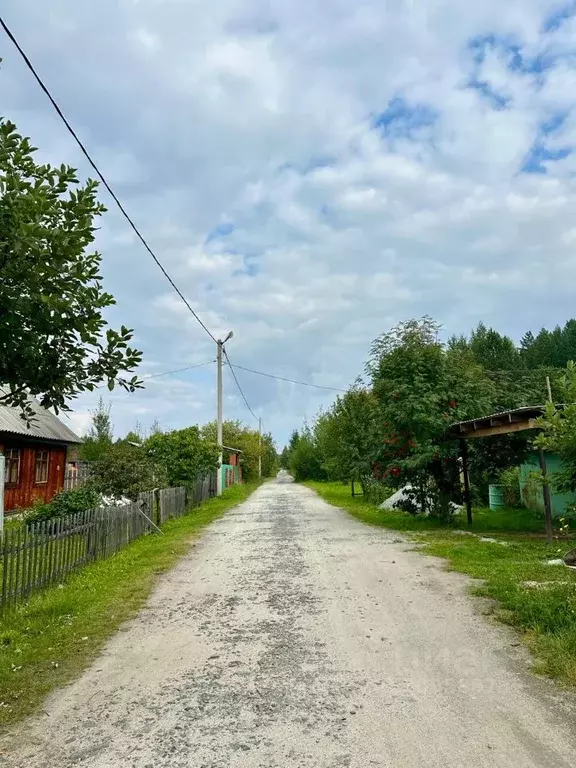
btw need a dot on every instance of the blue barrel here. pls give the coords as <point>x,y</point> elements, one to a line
<point>496,496</point>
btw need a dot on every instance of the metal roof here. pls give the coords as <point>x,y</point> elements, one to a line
<point>536,410</point>
<point>45,425</point>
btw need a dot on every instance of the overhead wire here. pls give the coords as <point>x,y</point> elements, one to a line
<point>100,175</point>
<point>139,235</point>
<point>283,378</point>
<point>176,370</point>
<point>233,372</point>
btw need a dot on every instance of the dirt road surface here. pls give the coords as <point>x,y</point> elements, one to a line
<point>295,636</point>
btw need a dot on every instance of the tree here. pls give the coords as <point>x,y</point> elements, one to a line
<point>493,351</point>
<point>99,437</point>
<point>558,433</point>
<point>305,458</point>
<point>237,435</point>
<point>285,458</point>
<point>347,435</point>
<point>125,471</point>
<point>421,388</point>
<point>184,455</point>
<point>155,428</point>
<point>54,340</point>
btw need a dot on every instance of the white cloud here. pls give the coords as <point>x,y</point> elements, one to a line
<point>243,138</point>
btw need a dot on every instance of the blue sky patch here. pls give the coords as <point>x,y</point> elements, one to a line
<point>540,154</point>
<point>222,230</point>
<point>497,100</point>
<point>555,20</point>
<point>511,54</point>
<point>402,120</point>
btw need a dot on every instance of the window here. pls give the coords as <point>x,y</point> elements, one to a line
<point>12,466</point>
<point>41,467</point>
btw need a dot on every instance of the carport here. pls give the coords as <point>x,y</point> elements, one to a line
<point>503,423</point>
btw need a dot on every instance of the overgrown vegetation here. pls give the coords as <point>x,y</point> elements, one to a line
<point>237,435</point>
<point>171,458</point>
<point>559,431</point>
<point>64,504</point>
<point>536,598</point>
<point>50,640</point>
<point>391,427</point>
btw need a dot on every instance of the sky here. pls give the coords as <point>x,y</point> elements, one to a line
<point>311,173</point>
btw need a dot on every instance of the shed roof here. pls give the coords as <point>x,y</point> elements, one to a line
<point>503,422</point>
<point>45,425</point>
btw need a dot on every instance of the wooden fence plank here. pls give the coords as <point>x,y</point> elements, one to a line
<point>45,552</point>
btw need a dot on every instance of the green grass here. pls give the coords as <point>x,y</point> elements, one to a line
<point>50,640</point>
<point>546,616</point>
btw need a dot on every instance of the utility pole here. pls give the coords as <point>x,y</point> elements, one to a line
<point>260,447</point>
<point>219,439</point>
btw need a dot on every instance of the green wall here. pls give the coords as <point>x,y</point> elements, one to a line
<point>533,497</point>
<point>224,469</point>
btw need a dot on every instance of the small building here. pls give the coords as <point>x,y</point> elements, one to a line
<point>531,490</point>
<point>231,467</point>
<point>35,455</point>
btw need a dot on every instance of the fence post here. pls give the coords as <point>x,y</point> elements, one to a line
<point>156,517</point>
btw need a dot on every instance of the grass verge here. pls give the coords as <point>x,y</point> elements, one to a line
<point>537,599</point>
<point>50,640</point>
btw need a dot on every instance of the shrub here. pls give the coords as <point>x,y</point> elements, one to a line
<point>64,504</point>
<point>510,482</point>
<point>375,491</point>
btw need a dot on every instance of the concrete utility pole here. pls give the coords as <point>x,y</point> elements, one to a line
<point>219,438</point>
<point>260,447</point>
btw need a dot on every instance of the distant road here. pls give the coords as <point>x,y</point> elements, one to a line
<point>293,636</point>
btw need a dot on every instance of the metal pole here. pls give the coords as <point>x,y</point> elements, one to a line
<point>260,447</point>
<point>2,465</point>
<point>467,496</point>
<point>219,439</point>
<point>549,388</point>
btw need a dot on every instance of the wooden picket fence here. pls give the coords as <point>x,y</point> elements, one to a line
<point>37,555</point>
<point>77,476</point>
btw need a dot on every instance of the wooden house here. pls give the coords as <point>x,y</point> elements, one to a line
<point>35,455</point>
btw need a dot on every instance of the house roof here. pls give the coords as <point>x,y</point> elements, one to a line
<point>45,425</point>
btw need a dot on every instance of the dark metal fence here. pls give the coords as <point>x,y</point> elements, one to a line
<point>37,555</point>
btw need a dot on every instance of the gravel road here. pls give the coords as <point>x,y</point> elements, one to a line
<point>295,636</point>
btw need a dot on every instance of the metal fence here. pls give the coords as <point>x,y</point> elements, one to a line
<point>37,555</point>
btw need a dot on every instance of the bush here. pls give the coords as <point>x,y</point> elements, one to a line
<point>64,504</point>
<point>375,491</point>
<point>510,482</point>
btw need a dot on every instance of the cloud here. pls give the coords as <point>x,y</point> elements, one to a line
<point>310,173</point>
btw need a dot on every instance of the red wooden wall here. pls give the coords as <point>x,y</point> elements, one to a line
<point>27,490</point>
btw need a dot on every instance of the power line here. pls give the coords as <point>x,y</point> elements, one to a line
<point>282,378</point>
<point>238,383</point>
<point>101,176</point>
<point>177,370</point>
